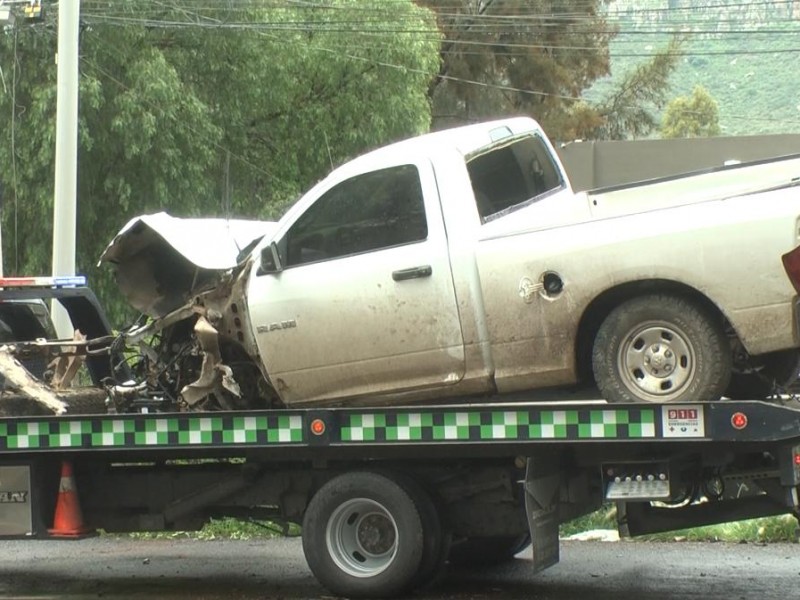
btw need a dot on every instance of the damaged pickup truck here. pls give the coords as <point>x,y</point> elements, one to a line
<point>460,264</point>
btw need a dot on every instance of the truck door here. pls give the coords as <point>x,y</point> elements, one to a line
<point>364,303</point>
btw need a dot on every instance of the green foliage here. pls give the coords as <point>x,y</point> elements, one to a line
<point>602,518</point>
<point>538,57</point>
<point>228,529</point>
<point>630,108</point>
<point>691,116</point>
<point>756,94</point>
<point>518,57</point>
<point>742,54</point>
<point>173,95</point>
<point>235,529</point>
<point>764,530</point>
<point>768,529</point>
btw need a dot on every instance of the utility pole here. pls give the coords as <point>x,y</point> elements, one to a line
<point>66,176</point>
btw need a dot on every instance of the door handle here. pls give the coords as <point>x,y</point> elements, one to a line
<point>412,273</point>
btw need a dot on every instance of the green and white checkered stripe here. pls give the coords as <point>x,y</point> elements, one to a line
<point>355,426</point>
<point>501,425</point>
<point>151,432</point>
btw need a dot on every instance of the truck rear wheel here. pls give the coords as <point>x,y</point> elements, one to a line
<point>661,348</point>
<point>363,536</point>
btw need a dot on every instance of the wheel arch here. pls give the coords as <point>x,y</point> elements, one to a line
<point>599,308</point>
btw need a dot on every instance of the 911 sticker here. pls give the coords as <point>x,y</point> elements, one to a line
<point>683,421</point>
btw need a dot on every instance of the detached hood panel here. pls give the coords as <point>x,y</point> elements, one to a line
<point>160,260</point>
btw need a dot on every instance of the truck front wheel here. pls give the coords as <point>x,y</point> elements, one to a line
<point>661,348</point>
<point>363,536</point>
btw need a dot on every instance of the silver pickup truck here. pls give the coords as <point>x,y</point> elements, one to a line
<point>461,264</point>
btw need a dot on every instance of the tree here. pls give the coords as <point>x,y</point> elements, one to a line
<point>517,56</point>
<point>177,98</point>
<point>538,57</point>
<point>629,110</point>
<point>691,116</point>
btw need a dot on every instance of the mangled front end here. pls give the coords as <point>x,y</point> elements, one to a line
<point>193,348</point>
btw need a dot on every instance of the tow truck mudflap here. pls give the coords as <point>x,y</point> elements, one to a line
<point>789,466</point>
<point>542,487</point>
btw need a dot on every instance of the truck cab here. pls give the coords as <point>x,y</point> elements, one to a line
<point>382,254</point>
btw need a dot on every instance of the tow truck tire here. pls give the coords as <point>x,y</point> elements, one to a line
<point>363,536</point>
<point>488,551</point>
<point>661,348</point>
<point>436,543</point>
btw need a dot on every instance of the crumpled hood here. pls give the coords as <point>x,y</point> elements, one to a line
<point>160,261</point>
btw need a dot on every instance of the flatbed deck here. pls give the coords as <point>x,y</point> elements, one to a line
<point>501,427</point>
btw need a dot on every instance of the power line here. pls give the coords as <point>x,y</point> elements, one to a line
<point>263,28</point>
<point>242,6</point>
<point>515,18</point>
<point>434,37</point>
<point>349,55</point>
<point>506,26</point>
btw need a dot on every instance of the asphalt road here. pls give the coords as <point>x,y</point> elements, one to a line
<point>275,569</point>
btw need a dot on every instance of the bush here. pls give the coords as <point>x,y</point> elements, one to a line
<point>782,528</point>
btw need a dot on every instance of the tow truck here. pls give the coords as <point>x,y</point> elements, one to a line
<point>387,496</point>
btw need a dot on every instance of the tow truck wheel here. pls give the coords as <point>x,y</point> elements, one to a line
<point>436,543</point>
<point>661,348</point>
<point>363,536</point>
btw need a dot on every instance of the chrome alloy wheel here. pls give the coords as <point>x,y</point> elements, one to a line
<point>656,361</point>
<point>362,537</point>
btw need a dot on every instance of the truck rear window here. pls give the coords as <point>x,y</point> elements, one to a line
<point>512,174</point>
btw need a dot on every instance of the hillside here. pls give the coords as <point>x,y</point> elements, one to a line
<point>745,53</point>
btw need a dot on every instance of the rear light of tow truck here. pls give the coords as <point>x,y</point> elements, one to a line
<point>790,470</point>
<point>739,420</point>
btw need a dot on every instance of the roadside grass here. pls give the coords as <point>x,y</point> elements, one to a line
<point>228,529</point>
<point>782,528</point>
<point>602,518</point>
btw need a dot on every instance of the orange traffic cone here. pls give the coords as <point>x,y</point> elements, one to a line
<point>68,520</point>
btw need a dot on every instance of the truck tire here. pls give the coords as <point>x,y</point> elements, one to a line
<point>488,551</point>
<point>363,536</point>
<point>771,373</point>
<point>661,348</point>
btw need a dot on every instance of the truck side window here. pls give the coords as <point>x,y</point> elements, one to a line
<point>369,212</point>
<point>512,174</point>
